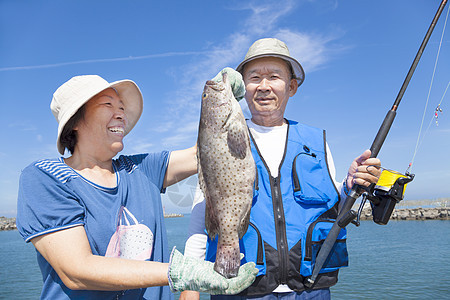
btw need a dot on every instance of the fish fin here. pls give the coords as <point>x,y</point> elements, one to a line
<point>243,226</point>
<point>237,132</point>
<point>201,176</point>
<point>237,139</point>
<point>211,220</point>
<point>201,179</point>
<point>212,227</point>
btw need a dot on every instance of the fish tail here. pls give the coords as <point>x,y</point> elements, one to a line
<point>227,260</point>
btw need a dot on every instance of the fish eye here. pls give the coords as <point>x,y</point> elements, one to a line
<point>204,96</point>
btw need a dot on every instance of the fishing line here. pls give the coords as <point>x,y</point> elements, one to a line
<point>419,138</point>
<point>433,117</point>
<point>383,203</point>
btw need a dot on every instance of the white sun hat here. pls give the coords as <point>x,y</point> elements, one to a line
<point>78,90</point>
<point>271,47</point>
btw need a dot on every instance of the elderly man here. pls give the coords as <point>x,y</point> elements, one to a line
<point>297,197</point>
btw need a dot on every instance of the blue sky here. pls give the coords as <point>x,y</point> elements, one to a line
<point>355,53</point>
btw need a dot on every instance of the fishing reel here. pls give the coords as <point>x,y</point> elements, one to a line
<point>383,196</point>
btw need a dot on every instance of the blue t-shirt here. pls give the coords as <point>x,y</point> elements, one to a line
<point>52,197</point>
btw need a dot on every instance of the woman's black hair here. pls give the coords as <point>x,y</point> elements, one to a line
<point>68,138</point>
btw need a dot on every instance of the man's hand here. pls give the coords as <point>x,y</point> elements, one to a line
<point>235,78</point>
<point>363,170</point>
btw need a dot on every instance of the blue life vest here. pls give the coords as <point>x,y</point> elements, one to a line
<point>291,216</point>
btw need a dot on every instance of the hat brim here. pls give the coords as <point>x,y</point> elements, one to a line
<point>128,92</point>
<point>297,68</point>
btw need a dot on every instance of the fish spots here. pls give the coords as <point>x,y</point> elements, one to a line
<point>227,172</point>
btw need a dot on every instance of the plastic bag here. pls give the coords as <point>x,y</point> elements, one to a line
<point>131,239</point>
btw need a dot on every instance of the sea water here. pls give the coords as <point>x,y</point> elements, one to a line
<point>401,260</point>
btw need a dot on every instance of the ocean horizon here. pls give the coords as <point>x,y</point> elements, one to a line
<point>401,260</point>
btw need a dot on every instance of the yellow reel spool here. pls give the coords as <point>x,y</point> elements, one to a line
<point>387,180</point>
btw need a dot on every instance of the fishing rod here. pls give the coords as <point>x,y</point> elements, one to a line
<point>346,214</point>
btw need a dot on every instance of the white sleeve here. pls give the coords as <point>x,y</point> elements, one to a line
<point>196,243</point>
<point>339,185</point>
<point>196,246</point>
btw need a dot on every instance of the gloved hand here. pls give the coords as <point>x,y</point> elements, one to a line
<point>189,273</point>
<point>235,78</point>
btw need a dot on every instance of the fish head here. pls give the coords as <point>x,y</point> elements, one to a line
<point>217,102</point>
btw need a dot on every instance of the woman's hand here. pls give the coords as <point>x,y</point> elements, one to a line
<point>69,253</point>
<point>193,274</point>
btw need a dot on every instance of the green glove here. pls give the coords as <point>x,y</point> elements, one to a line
<point>235,78</point>
<point>189,273</point>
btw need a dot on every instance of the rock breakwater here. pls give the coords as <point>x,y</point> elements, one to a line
<point>173,215</point>
<point>434,213</point>
<point>10,223</point>
<point>7,223</point>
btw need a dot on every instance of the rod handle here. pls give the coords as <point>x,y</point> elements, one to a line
<point>382,133</point>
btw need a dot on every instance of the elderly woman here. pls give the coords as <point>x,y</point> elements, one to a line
<point>97,222</point>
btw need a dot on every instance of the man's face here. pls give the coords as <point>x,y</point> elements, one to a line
<point>268,87</point>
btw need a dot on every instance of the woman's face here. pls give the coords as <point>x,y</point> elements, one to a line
<point>102,130</point>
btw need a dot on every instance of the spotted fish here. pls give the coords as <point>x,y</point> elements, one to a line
<point>226,172</point>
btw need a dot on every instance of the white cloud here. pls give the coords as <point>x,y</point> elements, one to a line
<point>100,60</point>
<point>265,15</point>
<point>138,146</point>
<point>40,151</point>
<point>174,141</point>
<point>443,130</point>
<point>312,50</point>
<point>159,128</point>
<point>23,125</point>
<point>188,127</point>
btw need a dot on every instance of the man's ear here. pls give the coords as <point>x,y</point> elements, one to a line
<point>293,86</point>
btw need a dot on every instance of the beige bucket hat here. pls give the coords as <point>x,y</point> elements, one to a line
<point>271,47</point>
<point>78,90</point>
